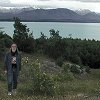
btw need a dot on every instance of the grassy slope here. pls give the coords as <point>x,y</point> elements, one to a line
<point>86,87</point>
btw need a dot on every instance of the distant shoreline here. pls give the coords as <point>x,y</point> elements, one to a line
<point>48,21</point>
<point>1,27</point>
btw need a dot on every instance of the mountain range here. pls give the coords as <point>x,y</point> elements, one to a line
<point>50,15</point>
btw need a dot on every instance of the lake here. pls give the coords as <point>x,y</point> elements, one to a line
<point>76,30</point>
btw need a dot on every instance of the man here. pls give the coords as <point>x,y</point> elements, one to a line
<point>12,67</point>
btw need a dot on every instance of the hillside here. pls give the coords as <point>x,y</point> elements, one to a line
<point>49,15</point>
<point>85,87</point>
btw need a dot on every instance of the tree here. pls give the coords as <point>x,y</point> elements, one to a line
<point>23,37</point>
<point>5,42</point>
<point>41,43</point>
<point>55,45</point>
<point>2,45</point>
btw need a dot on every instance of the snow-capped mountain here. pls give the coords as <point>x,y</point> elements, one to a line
<point>82,12</point>
<point>56,15</point>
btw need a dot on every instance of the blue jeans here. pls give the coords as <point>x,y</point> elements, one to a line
<point>12,80</point>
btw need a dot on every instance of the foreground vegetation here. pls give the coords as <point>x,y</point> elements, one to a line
<point>75,87</point>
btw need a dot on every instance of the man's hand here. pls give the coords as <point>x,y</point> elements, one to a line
<point>5,72</point>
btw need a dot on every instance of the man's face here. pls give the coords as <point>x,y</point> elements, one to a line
<point>13,47</point>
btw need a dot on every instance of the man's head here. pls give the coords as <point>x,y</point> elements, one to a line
<point>14,47</point>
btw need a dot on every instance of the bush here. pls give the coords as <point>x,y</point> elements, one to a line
<point>39,83</point>
<point>2,77</point>
<point>76,69</point>
<point>59,61</point>
<point>65,74</point>
<point>66,77</point>
<point>66,68</point>
<point>86,69</point>
<point>42,83</point>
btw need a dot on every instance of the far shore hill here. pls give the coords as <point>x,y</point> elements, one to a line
<point>50,15</point>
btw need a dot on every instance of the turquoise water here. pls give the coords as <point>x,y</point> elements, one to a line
<point>76,30</point>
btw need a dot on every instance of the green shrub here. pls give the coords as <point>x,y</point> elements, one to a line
<point>66,67</point>
<point>59,61</point>
<point>65,74</point>
<point>42,83</point>
<point>76,69</point>
<point>2,78</point>
<point>85,69</point>
<point>66,77</point>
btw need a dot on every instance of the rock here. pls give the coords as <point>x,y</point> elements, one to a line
<point>49,66</point>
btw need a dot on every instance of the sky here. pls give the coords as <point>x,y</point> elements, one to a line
<point>93,5</point>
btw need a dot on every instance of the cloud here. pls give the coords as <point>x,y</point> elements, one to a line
<point>82,0</point>
<point>93,5</point>
<point>43,0</point>
<point>74,0</point>
<point>4,1</point>
<point>8,3</point>
<point>89,0</point>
